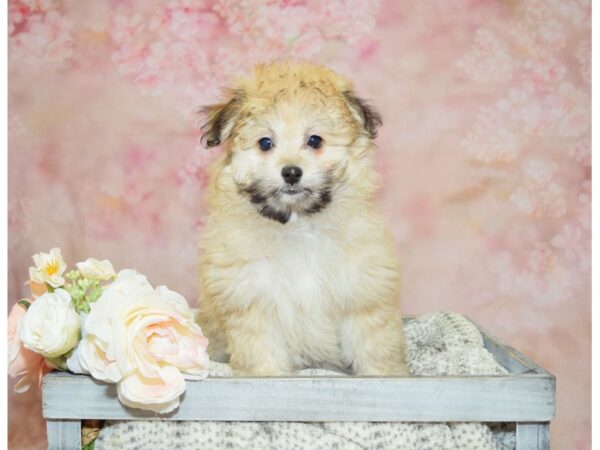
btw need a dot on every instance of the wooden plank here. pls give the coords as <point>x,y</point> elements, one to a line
<point>64,434</point>
<point>511,359</point>
<point>533,436</point>
<point>378,399</point>
<point>507,360</point>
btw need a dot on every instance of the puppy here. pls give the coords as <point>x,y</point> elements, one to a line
<point>297,266</point>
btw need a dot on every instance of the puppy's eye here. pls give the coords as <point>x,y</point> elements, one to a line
<point>265,144</point>
<point>315,141</point>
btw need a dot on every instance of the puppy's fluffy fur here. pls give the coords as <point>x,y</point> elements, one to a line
<point>305,274</point>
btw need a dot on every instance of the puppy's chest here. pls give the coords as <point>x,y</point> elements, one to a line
<point>302,269</point>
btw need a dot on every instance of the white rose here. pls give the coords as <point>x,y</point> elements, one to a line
<point>73,360</point>
<point>146,340</point>
<point>96,352</point>
<point>49,268</point>
<point>95,269</point>
<point>51,326</point>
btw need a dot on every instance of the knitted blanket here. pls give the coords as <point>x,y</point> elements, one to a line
<point>437,344</point>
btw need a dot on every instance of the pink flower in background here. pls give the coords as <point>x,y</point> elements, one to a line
<point>570,108</point>
<point>585,196</point>
<point>490,140</point>
<point>348,20</point>
<point>163,51</point>
<point>488,59</point>
<point>544,73</point>
<point>137,158</point>
<point>542,258</point>
<point>577,12</point>
<point>193,173</point>
<point>540,201</point>
<point>539,195</point>
<point>158,56</point>
<point>126,28</point>
<point>551,35</point>
<point>16,16</point>
<point>20,11</point>
<point>197,23</point>
<point>569,241</point>
<point>539,172</point>
<point>540,38</point>
<point>543,280</point>
<point>524,200</point>
<point>47,38</point>
<point>24,364</point>
<point>581,151</point>
<point>129,57</point>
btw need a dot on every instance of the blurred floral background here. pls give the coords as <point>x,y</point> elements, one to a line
<point>485,151</point>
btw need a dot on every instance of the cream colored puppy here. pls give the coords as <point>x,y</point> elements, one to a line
<point>297,266</point>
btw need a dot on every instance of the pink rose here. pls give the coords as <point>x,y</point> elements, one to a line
<point>144,339</point>
<point>23,362</point>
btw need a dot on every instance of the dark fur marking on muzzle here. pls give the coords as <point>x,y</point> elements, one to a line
<point>271,213</point>
<point>261,200</point>
<point>324,200</point>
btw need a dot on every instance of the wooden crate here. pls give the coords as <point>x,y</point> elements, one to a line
<point>526,397</point>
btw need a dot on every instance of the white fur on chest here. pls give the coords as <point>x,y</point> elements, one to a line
<point>300,276</point>
<point>299,265</point>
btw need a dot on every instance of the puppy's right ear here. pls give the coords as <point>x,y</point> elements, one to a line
<point>220,120</point>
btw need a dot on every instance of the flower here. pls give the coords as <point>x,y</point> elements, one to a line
<point>542,258</point>
<point>49,268</point>
<point>144,339</point>
<point>488,60</point>
<point>51,326</point>
<point>23,362</point>
<point>569,241</point>
<point>95,269</point>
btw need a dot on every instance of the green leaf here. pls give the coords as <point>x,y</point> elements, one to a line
<point>59,362</point>
<point>90,446</point>
<point>24,303</point>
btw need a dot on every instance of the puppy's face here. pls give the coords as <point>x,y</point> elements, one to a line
<point>291,132</point>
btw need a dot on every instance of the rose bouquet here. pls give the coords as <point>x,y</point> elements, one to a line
<point>115,327</point>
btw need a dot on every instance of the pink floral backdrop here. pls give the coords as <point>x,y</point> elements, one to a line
<point>485,152</point>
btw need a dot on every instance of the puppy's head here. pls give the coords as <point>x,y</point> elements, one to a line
<point>291,131</point>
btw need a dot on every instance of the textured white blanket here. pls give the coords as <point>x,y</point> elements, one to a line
<point>437,344</point>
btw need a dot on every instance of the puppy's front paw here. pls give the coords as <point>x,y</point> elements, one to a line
<point>259,371</point>
<point>382,370</point>
<point>244,363</point>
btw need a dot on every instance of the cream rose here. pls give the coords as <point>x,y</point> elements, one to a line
<point>144,339</point>
<point>50,327</point>
<point>95,269</point>
<point>23,363</point>
<point>49,268</point>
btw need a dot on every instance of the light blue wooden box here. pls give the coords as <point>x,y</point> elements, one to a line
<point>525,397</point>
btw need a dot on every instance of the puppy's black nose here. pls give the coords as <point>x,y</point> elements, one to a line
<point>291,174</point>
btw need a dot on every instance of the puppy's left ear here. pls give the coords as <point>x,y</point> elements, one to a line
<point>370,118</point>
<point>220,121</point>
